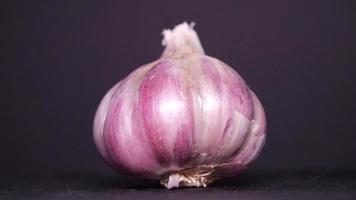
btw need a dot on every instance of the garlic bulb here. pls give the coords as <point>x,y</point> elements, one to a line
<point>185,118</point>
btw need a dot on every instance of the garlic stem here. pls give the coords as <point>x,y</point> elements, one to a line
<point>182,41</point>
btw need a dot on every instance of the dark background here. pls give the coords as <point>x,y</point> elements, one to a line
<point>58,59</point>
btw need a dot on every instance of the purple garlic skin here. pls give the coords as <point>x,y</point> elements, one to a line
<point>186,118</point>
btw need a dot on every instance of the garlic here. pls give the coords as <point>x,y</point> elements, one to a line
<point>186,118</point>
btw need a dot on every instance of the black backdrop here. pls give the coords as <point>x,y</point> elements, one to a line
<point>58,58</point>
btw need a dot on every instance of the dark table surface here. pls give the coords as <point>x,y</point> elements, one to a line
<point>318,184</point>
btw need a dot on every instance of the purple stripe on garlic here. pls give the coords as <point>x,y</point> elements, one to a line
<point>186,119</point>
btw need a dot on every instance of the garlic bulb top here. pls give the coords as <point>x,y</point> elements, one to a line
<point>185,118</point>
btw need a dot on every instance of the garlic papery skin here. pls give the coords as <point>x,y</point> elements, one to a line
<point>185,119</point>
